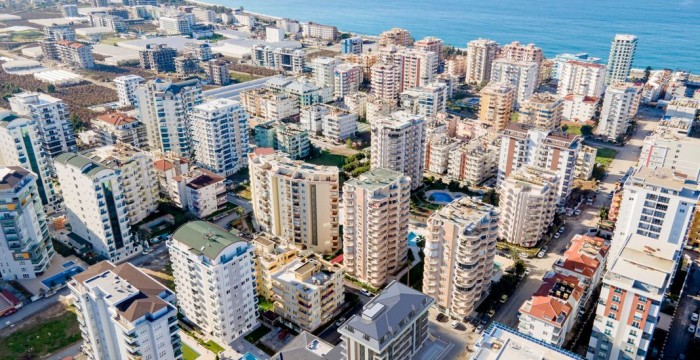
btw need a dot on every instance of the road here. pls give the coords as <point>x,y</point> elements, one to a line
<point>32,309</point>
<point>679,337</point>
<point>330,333</point>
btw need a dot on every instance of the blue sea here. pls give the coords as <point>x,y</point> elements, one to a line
<point>668,30</point>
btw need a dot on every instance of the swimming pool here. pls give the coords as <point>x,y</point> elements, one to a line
<point>249,356</point>
<point>68,264</point>
<point>62,277</point>
<point>412,239</point>
<point>443,197</point>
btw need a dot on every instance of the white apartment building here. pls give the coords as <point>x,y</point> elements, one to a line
<point>496,106</point>
<point>265,105</point>
<point>438,149</point>
<point>319,31</point>
<point>323,70</point>
<point>501,342</point>
<point>375,225</point>
<point>164,106</point>
<point>553,150</point>
<point>124,314</point>
<point>205,15</point>
<point>550,313</point>
<point>459,255</point>
<point>136,176</point>
<point>560,59</point>
<point>621,57</point>
<point>96,206</point>
<point>585,162</point>
<point>480,56</point>
<point>274,34</point>
<point>20,145</point>
<point>339,125</point>
<point>295,201</point>
<point>473,163</point>
<point>630,300</point>
<point>398,143</point>
<point>683,108</point>
<point>214,273</point>
<point>426,100</point>
<point>378,108</point>
<point>385,81</point>
<point>356,102</point>
<point>305,92</point>
<point>119,128</point>
<point>346,79</point>
<point>620,105</point>
<point>527,204</point>
<point>307,292</point>
<point>393,325</point>
<point>126,86</point>
<point>415,67</point>
<point>579,108</point>
<point>542,110</point>
<point>175,25</point>
<point>50,115</point>
<point>25,245</point>
<point>284,59</point>
<point>520,75</point>
<point>198,191</point>
<point>657,203</point>
<point>431,43</point>
<point>311,117</point>
<point>581,78</point>
<point>670,150</point>
<point>219,130</point>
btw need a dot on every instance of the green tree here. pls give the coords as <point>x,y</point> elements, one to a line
<point>647,73</point>
<point>348,143</point>
<point>586,130</point>
<point>51,88</point>
<point>519,267</point>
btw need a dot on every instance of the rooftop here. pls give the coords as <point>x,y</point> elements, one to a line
<point>500,342</point>
<point>205,238</point>
<point>645,261</point>
<point>309,347</point>
<point>116,119</point>
<point>375,179</point>
<point>11,176</point>
<point>86,165</point>
<point>664,177</point>
<point>583,255</point>
<point>204,179</point>
<point>466,212</point>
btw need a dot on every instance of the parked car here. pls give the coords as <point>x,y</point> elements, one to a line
<point>440,317</point>
<point>340,321</point>
<point>540,254</point>
<point>691,329</point>
<point>557,235</point>
<point>504,298</point>
<point>522,256</point>
<point>455,324</point>
<point>479,329</point>
<point>147,251</point>
<point>366,293</point>
<point>694,317</point>
<point>577,212</point>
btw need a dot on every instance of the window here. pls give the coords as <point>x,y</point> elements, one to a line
<point>616,299</point>
<point>640,307</point>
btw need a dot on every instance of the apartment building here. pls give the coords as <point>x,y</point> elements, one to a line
<point>163,107</point>
<point>356,102</point>
<point>553,150</point>
<point>393,325</point>
<point>270,257</point>
<point>205,15</point>
<point>657,203</point>
<point>20,145</point>
<point>522,76</point>
<point>138,182</point>
<point>621,57</point>
<point>96,207</point>
<point>119,128</point>
<point>385,81</point>
<point>157,57</point>
<point>560,59</point>
<point>579,108</point>
<point>217,72</point>
<point>339,125</point>
<point>396,36</point>
<point>50,114</point>
<point>347,79</point>
<point>59,32</point>
<point>308,292</point>
<point>496,106</point>
<point>214,273</point>
<point>288,138</point>
<point>322,70</point>
<point>186,66</point>
<point>198,191</point>
<point>516,51</point>
<point>219,131</point>
<point>283,59</point>
<point>175,25</point>
<point>69,52</point>
<point>426,100</point>
<point>266,105</point>
<point>378,108</point>
<point>375,225</point>
<point>415,67</point>
<point>126,86</point>
<point>585,259</point>
<point>472,163</point>
<point>352,45</point>
<point>629,305</point>
<point>501,342</point>
<point>295,201</point>
<point>683,108</point>
<point>585,162</point>
<point>550,313</point>
<point>200,51</point>
<point>398,143</point>
<point>527,204</point>
<point>456,67</point>
<point>431,43</point>
<point>480,56</point>
<point>25,245</point>
<point>620,105</point>
<point>581,78</point>
<point>305,92</point>
<point>667,149</point>
<point>542,110</point>
<point>459,254</point>
<point>438,149</point>
<point>112,22</point>
<point>318,31</point>
<point>124,313</point>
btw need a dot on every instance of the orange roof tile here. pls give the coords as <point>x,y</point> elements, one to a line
<point>116,119</point>
<point>162,165</point>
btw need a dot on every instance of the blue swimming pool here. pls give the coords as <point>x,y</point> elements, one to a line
<point>412,238</point>
<point>442,196</point>
<point>249,356</point>
<point>62,277</point>
<point>68,264</point>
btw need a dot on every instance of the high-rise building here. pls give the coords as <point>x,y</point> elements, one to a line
<point>217,72</point>
<point>520,75</point>
<point>351,45</point>
<point>496,106</point>
<point>119,128</point>
<point>459,252</point>
<point>288,138</point>
<point>456,66</point>
<point>398,143</point>
<point>480,56</point>
<point>266,105</point>
<point>415,67</point>
<point>501,342</point>
<point>323,70</point>
<point>621,57</point>
<point>581,78</point>
<point>556,151</point>
<point>518,52</point>
<point>426,100</point>
<point>385,81</point>
<point>346,79</point>
<point>157,57</point>
<point>186,66</point>
<point>295,201</point>
<point>164,108</point>
<point>319,31</point>
<point>396,36</point>
<point>124,313</point>
<point>212,263</point>
<point>96,207</point>
<point>20,145</point>
<point>219,131</point>
<point>527,203</point>
<point>542,110</point>
<point>657,203</point>
<point>68,52</point>
<point>473,163</point>
<point>669,150</point>
<point>431,43</point>
<point>375,227</point>
<point>560,59</point>
<point>620,105</point>
<point>126,86</point>
<point>438,148</point>
<point>393,325</point>
<point>175,25</point>
<point>50,115</point>
<point>630,301</point>
<point>59,32</point>
<point>284,59</point>
<point>25,245</point>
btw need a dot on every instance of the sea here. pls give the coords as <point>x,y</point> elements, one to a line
<point>668,30</point>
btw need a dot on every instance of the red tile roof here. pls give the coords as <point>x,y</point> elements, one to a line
<point>162,165</point>
<point>264,151</point>
<point>116,119</point>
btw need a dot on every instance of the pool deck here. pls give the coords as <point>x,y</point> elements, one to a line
<point>454,196</point>
<point>35,286</point>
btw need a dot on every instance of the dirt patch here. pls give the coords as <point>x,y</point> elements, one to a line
<point>55,311</point>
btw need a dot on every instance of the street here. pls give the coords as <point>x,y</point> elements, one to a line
<point>679,336</point>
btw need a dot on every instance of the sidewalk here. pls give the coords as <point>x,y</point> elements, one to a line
<point>204,353</point>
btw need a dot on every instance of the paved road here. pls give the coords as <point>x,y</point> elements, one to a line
<point>32,309</point>
<point>330,333</point>
<point>678,338</point>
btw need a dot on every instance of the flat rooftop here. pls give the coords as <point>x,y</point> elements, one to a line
<point>375,179</point>
<point>502,343</point>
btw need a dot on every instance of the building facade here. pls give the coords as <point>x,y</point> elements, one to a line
<point>126,86</point>
<point>398,143</point>
<point>621,57</point>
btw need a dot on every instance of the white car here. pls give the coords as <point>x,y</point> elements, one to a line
<point>577,212</point>
<point>527,271</point>
<point>479,329</point>
<point>557,235</point>
<point>694,317</point>
<point>522,256</point>
<point>691,329</point>
<point>365,292</point>
<point>455,324</point>
<point>540,254</point>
